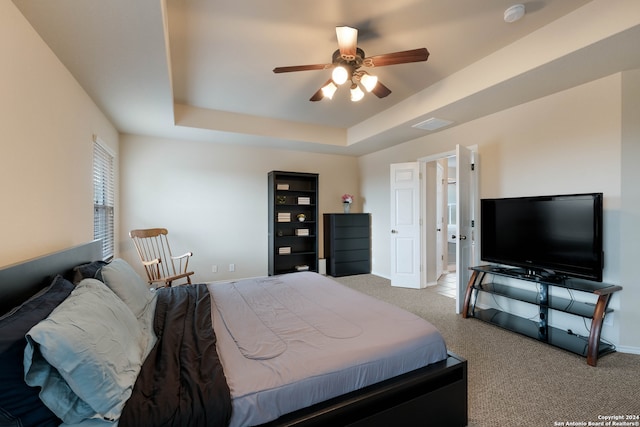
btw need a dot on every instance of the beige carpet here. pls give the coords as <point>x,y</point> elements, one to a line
<point>517,381</point>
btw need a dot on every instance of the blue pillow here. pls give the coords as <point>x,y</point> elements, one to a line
<point>86,355</point>
<point>20,403</point>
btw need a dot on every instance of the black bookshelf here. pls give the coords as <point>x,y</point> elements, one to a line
<point>293,222</point>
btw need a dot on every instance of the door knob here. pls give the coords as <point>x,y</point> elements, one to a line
<point>463,237</point>
<point>394,231</point>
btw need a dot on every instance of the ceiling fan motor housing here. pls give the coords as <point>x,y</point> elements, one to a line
<point>355,63</point>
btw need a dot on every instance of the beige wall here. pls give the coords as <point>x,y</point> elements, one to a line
<point>213,198</point>
<point>570,142</point>
<point>630,210</point>
<point>47,123</point>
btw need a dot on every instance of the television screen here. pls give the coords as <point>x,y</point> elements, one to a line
<point>561,234</point>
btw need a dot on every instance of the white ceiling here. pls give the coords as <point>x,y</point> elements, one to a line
<point>202,69</point>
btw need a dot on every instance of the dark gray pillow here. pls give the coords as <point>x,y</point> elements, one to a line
<point>19,403</point>
<point>90,270</point>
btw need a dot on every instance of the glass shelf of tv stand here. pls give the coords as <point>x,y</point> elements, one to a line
<point>557,281</point>
<point>583,309</point>
<point>554,336</point>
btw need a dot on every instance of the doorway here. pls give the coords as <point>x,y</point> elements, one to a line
<point>414,228</point>
<point>444,195</point>
<point>450,194</point>
<point>466,206</point>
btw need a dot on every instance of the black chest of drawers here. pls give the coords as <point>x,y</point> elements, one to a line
<point>347,244</point>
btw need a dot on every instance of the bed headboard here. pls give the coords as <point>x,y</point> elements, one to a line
<point>19,281</point>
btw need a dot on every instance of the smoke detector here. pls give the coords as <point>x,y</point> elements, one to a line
<point>513,13</point>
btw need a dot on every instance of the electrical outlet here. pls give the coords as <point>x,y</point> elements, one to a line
<point>232,267</point>
<point>608,319</point>
<point>214,269</point>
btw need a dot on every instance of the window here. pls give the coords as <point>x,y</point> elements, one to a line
<point>103,197</point>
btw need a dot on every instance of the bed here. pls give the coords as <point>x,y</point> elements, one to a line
<point>237,359</point>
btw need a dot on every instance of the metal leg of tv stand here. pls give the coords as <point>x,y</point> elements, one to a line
<point>467,295</point>
<point>596,325</point>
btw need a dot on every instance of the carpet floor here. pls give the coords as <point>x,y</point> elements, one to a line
<point>518,381</point>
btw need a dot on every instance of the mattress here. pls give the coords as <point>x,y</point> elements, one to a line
<point>287,342</point>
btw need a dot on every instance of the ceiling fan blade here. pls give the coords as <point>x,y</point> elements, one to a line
<point>347,42</point>
<point>319,95</point>
<point>414,55</point>
<point>302,68</point>
<point>380,90</point>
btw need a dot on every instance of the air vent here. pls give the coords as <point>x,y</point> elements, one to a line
<point>432,123</point>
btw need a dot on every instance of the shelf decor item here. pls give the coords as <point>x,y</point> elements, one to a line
<point>347,199</point>
<point>284,216</point>
<point>301,217</point>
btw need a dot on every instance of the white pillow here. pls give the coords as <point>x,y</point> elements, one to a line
<point>86,355</point>
<point>122,279</point>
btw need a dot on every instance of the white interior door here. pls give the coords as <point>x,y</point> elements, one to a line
<point>440,223</point>
<point>405,225</point>
<point>465,178</point>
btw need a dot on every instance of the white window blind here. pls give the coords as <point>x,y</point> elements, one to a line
<point>103,199</point>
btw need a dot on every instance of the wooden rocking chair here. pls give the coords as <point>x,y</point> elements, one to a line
<point>161,266</point>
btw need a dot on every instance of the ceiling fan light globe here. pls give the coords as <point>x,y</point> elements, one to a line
<point>339,75</point>
<point>356,93</point>
<point>369,82</point>
<point>347,41</point>
<point>329,90</point>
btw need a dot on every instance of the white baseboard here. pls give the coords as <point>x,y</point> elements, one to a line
<point>627,349</point>
<point>384,276</point>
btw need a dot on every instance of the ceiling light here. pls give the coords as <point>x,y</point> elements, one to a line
<point>356,93</point>
<point>513,13</point>
<point>329,90</point>
<point>347,40</point>
<point>368,81</point>
<point>339,75</point>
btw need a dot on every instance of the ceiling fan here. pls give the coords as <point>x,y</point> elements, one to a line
<point>346,63</point>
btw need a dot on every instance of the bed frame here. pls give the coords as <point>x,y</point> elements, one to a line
<point>434,395</point>
<point>19,281</point>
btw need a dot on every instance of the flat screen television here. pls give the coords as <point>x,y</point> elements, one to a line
<point>547,235</point>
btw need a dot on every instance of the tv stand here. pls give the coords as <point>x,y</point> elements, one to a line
<point>486,279</point>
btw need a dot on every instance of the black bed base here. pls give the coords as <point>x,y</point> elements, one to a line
<point>435,395</point>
